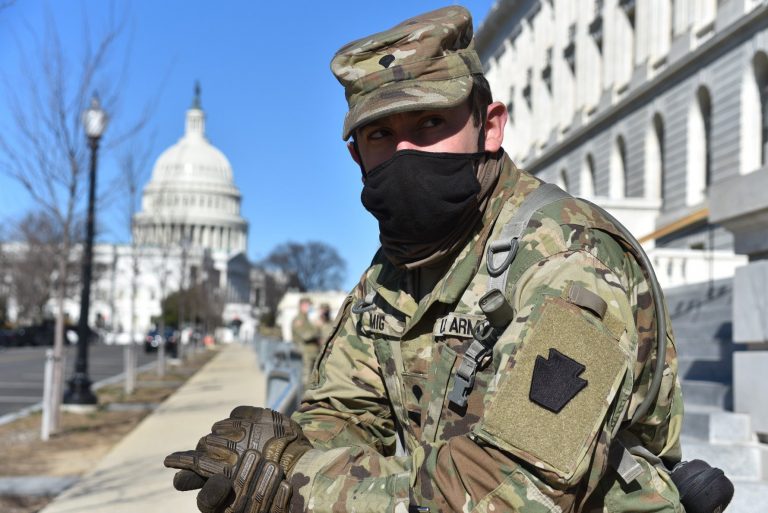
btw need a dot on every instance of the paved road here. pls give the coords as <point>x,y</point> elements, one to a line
<point>21,371</point>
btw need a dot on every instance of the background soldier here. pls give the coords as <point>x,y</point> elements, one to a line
<point>306,335</point>
<point>500,354</point>
<point>324,322</point>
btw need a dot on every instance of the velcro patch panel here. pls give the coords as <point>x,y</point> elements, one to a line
<point>551,405</point>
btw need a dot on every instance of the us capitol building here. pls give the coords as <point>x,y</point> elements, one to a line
<point>189,232</point>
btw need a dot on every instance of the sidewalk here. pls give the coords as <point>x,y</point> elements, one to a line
<point>131,478</point>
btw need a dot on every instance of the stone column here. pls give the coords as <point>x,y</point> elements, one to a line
<point>742,208</point>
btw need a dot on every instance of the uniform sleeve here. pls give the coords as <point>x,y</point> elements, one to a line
<point>563,382</point>
<point>346,402</point>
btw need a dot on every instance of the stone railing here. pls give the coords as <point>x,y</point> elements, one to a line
<point>675,267</point>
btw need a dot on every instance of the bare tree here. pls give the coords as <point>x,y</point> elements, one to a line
<point>5,288</point>
<point>315,265</point>
<point>33,265</point>
<point>45,149</point>
<point>134,163</point>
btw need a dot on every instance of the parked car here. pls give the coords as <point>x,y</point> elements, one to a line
<point>170,338</point>
<point>8,338</point>
<point>43,334</point>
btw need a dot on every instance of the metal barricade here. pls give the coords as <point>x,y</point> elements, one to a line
<point>281,363</point>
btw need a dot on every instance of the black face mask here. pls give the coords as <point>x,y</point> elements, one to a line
<point>420,198</point>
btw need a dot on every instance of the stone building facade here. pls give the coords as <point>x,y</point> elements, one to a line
<point>641,105</point>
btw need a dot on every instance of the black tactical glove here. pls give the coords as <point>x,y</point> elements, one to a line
<point>703,489</point>
<point>241,466</point>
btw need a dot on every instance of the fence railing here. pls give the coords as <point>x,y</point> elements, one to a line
<point>281,363</point>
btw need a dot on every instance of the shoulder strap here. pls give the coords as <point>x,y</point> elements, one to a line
<point>502,251</point>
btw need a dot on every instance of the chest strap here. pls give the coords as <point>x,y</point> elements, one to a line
<point>498,312</point>
<point>501,252</point>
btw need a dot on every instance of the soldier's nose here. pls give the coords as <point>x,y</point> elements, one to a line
<point>405,144</point>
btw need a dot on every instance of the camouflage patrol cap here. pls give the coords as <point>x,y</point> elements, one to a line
<point>425,62</point>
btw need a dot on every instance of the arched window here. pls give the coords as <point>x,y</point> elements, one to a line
<point>699,147</point>
<point>754,107</point>
<point>658,129</point>
<point>562,180</point>
<point>705,105</point>
<point>760,65</point>
<point>617,186</point>
<point>587,178</point>
<point>624,58</point>
<point>654,159</point>
<point>672,21</point>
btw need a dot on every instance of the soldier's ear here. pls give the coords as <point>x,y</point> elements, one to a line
<point>352,147</point>
<point>495,122</point>
<point>355,153</point>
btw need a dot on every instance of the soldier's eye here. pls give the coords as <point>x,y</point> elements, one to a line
<point>377,134</point>
<point>432,121</point>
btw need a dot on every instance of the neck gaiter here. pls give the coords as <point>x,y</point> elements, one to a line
<point>427,203</point>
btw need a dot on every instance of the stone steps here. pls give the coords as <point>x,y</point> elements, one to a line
<point>705,393</point>
<point>749,497</point>
<point>711,424</point>
<point>747,461</point>
<point>703,330</point>
<point>700,348</point>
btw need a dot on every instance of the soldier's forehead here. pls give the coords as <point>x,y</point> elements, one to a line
<point>411,114</point>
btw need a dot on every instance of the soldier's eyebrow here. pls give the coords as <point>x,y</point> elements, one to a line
<point>376,123</point>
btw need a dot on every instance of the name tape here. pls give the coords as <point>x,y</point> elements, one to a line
<point>378,322</point>
<point>456,325</point>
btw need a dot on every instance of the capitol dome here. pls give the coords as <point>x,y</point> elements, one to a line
<point>191,196</point>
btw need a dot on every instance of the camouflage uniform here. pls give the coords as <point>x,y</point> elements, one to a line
<point>385,375</point>
<point>325,324</point>
<point>306,336</point>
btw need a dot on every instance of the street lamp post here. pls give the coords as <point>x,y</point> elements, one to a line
<point>79,393</point>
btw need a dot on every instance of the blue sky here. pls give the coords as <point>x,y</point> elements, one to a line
<point>272,105</point>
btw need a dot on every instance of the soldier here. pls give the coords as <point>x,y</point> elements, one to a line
<point>507,350</point>
<point>306,335</point>
<point>324,322</point>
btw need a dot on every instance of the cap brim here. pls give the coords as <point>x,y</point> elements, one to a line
<point>405,96</point>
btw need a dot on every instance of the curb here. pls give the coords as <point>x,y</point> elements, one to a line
<point>10,417</point>
<point>37,486</point>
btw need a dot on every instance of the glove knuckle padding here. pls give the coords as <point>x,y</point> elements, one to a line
<point>228,427</point>
<point>282,500</point>
<point>249,413</point>
<point>221,442</point>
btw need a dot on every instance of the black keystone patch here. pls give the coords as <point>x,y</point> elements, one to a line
<point>386,60</point>
<point>556,381</point>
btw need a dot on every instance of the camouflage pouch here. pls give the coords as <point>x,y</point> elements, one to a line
<point>651,491</point>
